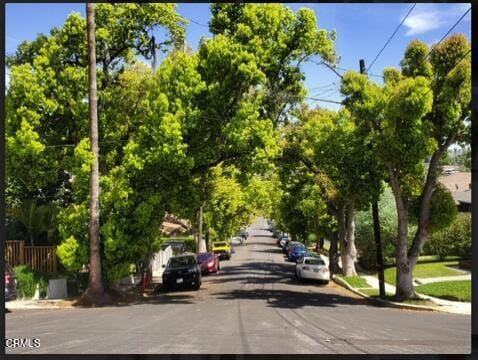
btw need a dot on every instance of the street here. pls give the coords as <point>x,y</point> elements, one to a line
<point>253,306</point>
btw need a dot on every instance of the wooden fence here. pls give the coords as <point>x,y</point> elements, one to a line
<point>40,258</point>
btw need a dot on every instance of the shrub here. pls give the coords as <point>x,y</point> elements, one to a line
<point>72,254</point>
<point>364,236</point>
<point>455,240</point>
<point>27,280</point>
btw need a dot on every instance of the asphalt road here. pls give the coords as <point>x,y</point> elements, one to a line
<point>253,306</point>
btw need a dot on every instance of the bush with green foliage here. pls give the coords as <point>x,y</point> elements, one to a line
<point>455,240</point>
<point>364,236</point>
<point>72,254</point>
<point>27,281</point>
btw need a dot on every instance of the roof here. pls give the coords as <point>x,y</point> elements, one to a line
<point>462,197</point>
<point>459,181</point>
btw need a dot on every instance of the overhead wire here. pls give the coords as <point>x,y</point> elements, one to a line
<point>198,23</point>
<point>448,32</point>
<point>391,37</point>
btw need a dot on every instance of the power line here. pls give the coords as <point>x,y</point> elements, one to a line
<point>449,31</point>
<point>324,100</point>
<point>198,23</point>
<point>391,37</point>
<point>329,66</point>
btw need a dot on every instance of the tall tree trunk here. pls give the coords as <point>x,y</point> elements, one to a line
<point>404,278</point>
<point>334,267</point>
<point>425,201</point>
<point>95,290</point>
<point>342,233</point>
<point>349,251</point>
<point>201,242</point>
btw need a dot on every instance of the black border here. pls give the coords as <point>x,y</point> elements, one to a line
<point>474,170</point>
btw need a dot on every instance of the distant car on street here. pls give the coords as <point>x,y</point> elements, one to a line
<point>287,245</point>
<point>237,240</point>
<point>209,262</point>
<point>182,270</point>
<point>296,252</point>
<point>282,240</point>
<point>314,268</point>
<point>10,283</point>
<point>243,233</point>
<point>223,249</point>
<point>177,246</point>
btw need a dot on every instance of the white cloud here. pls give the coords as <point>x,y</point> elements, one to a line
<point>426,17</point>
<point>420,22</point>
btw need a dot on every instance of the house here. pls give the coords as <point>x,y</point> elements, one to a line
<point>459,183</point>
<point>463,200</point>
<point>173,226</point>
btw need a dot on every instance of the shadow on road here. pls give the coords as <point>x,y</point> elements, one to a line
<point>291,299</point>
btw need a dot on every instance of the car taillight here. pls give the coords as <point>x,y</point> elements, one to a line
<point>324,270</point>
<point>211,263</point>
<point>7,278</point>
<point>306,268</point>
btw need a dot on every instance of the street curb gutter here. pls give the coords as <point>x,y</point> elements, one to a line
<point>344,284</point>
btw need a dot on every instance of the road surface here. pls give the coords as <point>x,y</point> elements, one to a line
<point>253,306</point>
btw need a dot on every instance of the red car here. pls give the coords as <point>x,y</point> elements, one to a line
<point>209,262</point>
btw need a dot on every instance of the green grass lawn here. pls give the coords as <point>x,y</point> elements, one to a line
<point>355,281</point>
<point>374,293</point>
<point>426,270</point>
<point>449,290</point>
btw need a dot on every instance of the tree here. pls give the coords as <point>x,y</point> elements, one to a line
<point>337,152</point>
<point>47,131</point>
<point>36,219</point>
<point>94,293</point>
<point>418,113</point>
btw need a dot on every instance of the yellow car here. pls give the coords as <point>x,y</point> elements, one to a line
<point>222,248</point>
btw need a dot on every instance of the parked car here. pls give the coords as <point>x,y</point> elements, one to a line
<point>178,247</point>
<point>243,233</point>
<point>209,262</point>
<point>10,283</point>
<point>296,252</point>
<point>312,267</point>
<point>276,233</point>
<point>288,243</point>
<point>283,239</point>
<point>182,270</point>
<point>237,240</point>
<point>223,249</point>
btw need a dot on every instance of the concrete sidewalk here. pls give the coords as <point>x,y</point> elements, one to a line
<point>421,281</point>
<point>456,307</point>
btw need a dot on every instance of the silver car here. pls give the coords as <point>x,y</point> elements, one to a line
<point>314,268</point>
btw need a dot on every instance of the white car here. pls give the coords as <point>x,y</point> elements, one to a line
<point>313,267</point>
<point>237,240</point>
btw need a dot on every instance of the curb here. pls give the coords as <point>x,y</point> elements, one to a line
<point>344,284</point>
<point>38,304</point>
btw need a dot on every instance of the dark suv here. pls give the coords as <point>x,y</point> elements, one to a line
<point>182,270</point>
<point>177,246</point>
<point>10,283</point>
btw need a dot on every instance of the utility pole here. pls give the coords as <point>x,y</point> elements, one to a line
<point>95,289</point>
<point>376,227</point>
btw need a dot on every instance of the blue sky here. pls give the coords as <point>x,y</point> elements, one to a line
<point>362,30</point>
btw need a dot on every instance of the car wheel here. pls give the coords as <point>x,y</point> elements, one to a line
<point>197,285</point>
<point>298,276</point>
<point>325,282</point>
